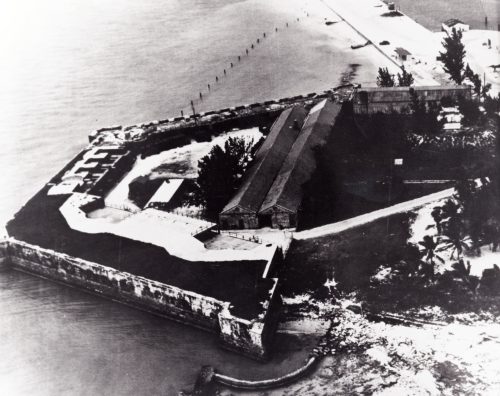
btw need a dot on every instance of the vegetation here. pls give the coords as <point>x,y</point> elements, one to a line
<point>405,79</point>
<point>220,173</point>
<point>386,79</point>
<point>453,56</point>
<point>475,78</point>
<point>423,118</point>
<point>350,258</point>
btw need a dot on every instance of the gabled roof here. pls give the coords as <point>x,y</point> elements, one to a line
<point>286,191</point>
<point>268,160</point>
<point>452,22</point>
<point>401,51</point>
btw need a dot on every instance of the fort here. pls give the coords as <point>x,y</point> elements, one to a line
<point>169,271</point>
<point>89,234</point>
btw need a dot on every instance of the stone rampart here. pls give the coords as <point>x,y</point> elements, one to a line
<point>247,337</point>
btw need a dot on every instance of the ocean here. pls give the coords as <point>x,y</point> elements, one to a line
<point>68,67</point>
<point>431,13</point>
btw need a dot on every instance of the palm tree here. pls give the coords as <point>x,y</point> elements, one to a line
<point>429,253</point>
<point>454,238</point>
<point>437,215</point>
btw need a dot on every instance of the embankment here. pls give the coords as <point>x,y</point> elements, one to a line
<point>247,337</point>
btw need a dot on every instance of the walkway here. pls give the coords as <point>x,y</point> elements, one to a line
<point>353,222</point>
<point>169,231</point>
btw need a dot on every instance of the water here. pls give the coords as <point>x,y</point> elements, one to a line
<point>60,341</point>
<point>431,13</point>
<point>68,67</point>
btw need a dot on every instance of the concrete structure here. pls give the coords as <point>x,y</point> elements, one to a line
<point>457,24</point>
<point>250,337</point>
<point>271,193</point>
<point>241,211</point>
<point>371,100</point>
<point>95,171</point>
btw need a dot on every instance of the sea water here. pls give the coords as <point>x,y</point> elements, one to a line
<point>67,67</point>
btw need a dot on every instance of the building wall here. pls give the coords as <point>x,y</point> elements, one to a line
<point>387,100</point>
<point>238,221</point>
<point>458,27</point>
<point>4,260</point>
<point>251,337</point>
<point>281,219</point>
<point>247,337</point>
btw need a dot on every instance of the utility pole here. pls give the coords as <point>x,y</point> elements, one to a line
<point>192,108</point>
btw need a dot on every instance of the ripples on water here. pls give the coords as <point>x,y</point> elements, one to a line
<point>57,340</point>
<point>69,67</point>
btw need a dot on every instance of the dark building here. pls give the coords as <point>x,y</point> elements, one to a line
<point>387,99</point>
<point>271,193</point>
<point>282,203</point>
<point>241,211</point>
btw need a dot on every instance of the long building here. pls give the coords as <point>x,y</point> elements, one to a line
<point>271,192</point>
<point>371,100</point>
<point>242,210</point>
<point>282,203</point>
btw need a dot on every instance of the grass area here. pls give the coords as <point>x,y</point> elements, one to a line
<point>400,293</point>
<point>351,257</point>
<point>40,223</point>
<point>355,171</point>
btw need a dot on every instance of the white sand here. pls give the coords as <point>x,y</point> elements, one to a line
<point>365,17</point>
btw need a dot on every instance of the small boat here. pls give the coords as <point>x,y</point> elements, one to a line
<point>356,46</point>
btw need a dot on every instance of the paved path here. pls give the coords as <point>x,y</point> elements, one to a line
<point>344,225</point>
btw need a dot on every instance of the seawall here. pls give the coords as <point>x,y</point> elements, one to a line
<point>171,132</point>
<point>247,337</point>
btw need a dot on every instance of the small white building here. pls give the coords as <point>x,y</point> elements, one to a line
<point>402,54</point>
<point>456,24</point>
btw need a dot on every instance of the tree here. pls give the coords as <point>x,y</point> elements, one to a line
<point>470,110</point>
<point>384,78</point>
<point>429,253</point>
<point>405,79</point>
<point>474,78</point>
<point>424,120</point>
<point>453,56</point>
<point>220,173</point>
<point>454,237</point>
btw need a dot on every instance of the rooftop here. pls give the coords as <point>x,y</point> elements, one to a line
<point>268,161</point>
<point>452,22</point>
<point>401,51</point>
<point>286,190</point>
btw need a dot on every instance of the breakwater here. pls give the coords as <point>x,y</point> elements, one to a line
<point>249,337</point>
